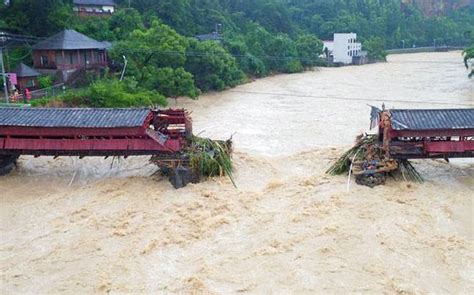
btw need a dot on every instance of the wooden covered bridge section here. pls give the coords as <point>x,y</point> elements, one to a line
<point>427,133</point>
<point>92,132</point>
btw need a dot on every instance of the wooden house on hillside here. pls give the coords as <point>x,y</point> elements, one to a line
<point>69,50</point>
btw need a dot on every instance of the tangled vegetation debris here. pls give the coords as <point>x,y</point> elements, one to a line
<point>203,157</point>
<point>368,162</point>
<point>211,157</point>
<point>358,153</point>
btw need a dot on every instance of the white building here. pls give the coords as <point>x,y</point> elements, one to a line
<point>94,7</point>
<point>343,48</point>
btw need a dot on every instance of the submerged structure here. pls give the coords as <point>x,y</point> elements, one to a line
<point>405,134</point>
<point>166,134</point>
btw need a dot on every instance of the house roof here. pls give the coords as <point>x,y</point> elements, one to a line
<point>95,2</point>
<point>25,71</point>
<point>68,40</point>
<point>72,117</point>
<point>107,44</point>
<point>433,119</point>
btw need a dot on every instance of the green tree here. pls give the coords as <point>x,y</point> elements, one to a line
<point>124,22</point>
<point>309,49</point>
<point>277,52</point>
<point>173,83</point>
<point>246,61</point>
<point>375,49</point>
<point>93,27</point>
<point>468,55</point>
<point>158,46</point>
<point>284,55</point>
<point>213,68</point>
<point>37,17</point>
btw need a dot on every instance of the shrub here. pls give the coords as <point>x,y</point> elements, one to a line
<point>106,94</point>
<point>45,81</point>
<point>172,82</point>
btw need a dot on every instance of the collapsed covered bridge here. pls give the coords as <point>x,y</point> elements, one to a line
<point>427,133</point>
<point>91,132</point>
<point>405,134</point>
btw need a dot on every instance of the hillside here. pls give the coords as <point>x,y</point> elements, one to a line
<point>438,7</point>
<point>257,38</point>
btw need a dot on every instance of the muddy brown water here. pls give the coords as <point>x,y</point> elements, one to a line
<point>87,226</point>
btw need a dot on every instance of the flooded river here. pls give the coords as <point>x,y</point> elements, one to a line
<point>93,225</point>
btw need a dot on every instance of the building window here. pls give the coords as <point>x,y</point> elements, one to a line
<point>44,60</point>
<point>87,57</point>
<point>99,56</point>
<point>30,83</point>
<point>74,59</point>
<point>59,58</point>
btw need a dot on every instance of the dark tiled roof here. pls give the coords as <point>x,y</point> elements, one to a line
<point>95,2</point>
<point>107,44</point>
<point>432,119</point>
<point>69,40</point>
<point>72,118</point>
<point>25,71</point>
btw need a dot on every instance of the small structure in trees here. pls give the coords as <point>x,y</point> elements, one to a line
<point>215,36</point>
<point>94,7</point>
<point>26,77</point>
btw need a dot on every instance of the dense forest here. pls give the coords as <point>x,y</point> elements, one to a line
<point>258,37</point>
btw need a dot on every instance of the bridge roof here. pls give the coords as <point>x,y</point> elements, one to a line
<point>432,119</point>
<point>72,117</point>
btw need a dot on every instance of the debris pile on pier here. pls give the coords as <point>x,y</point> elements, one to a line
<point>358,152</point>
<point>202,157</point>
<point>367,161</point>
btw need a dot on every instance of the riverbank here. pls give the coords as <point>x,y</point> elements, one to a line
<point>423,49</point>
<point>287,228</point>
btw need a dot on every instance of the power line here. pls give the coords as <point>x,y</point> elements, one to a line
<point>353,98</point>
<point>267,57</point>
<point>31,39</point>
<point>21,58</point>
<point>426,62</point>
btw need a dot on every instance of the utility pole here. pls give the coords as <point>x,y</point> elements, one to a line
<point>124,67</point>
<point>4,76</point>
